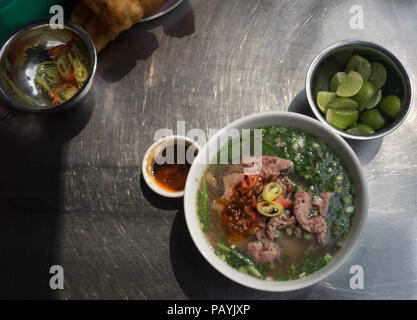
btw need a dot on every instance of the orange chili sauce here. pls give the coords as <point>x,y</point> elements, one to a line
<point>172,177</point>
<point>237,222</point>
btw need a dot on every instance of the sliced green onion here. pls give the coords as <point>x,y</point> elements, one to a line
<point>205,204</point>
<point>328,257</point>
<point>253,271</point>
<point>346,199</point>
<point>307,235</point>
<point>222,248</point>
<point>243,270</point>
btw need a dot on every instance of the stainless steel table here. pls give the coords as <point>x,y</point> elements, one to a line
<point>71,191</point>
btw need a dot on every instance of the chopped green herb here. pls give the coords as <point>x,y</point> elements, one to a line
<point>236,259</point>
<point>203,205</point>
<point>307,235</point>
<point>253,271</point>
<point>243,269</point>
<point>312,263</point>
<point>316,168</point>
<point>223,248</point>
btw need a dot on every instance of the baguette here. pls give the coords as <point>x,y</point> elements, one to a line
<point>105,19</point>
<point>118,15</point>
<point>93,25</point>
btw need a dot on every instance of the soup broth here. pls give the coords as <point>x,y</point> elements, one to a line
<point>284,220</point>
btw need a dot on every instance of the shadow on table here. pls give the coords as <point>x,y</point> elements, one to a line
<point>30,180</point>
<point>138,43</point>
<point>199,280</point>
<point>365,150</point>
<point>300,105</point>
<point>121,55</point>
<point>158,201</point>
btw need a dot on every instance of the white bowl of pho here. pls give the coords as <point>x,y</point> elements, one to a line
<point>280,205</point>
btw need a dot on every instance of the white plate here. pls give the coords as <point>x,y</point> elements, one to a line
<point>167,7</point>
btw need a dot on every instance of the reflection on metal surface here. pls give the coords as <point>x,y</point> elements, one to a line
<point>167,7</point>
<point>21,56</point>
<point>4,111</point>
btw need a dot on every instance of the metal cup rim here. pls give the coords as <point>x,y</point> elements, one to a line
<point>358,43</point>
<point>82,92</point>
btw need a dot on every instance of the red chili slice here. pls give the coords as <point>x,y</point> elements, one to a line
<point>284,202</point>
<point>58,50</point>
<point>68,78</point>
<point>63,85</point>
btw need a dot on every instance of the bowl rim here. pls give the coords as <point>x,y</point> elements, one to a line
<point>81,93</point>
<point>145,163</point>
<point>207,251</point>
<point>361,43</point>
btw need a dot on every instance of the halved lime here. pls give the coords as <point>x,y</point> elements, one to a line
<point>325,73</point>
<point>341,119</point>
<point>364,95</point>
<point>359,64</point>
<point>337,79</point>
<point>374,101</point>
<point>343,56</point>
<point>391,105</point>
<point>372,118</point>
<point>361,130</point>
<point>351,85</point>
<point>324,98</point>
<point>343,104</point>
<point>378,75</point>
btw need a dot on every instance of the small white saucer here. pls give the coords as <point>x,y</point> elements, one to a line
<point>148,159</point>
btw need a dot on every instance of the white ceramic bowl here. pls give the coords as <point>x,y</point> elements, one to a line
<point>306,124</point>
<point>148,160</point>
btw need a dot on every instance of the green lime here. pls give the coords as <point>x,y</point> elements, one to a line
<point>374,101</point>
<point>361,130</point>
<point>391,105</point>
<point>343,104</point>
<point>351,86</point>
<point>325,73</point>
<point>372,118</point>
<point>343,56</point>
<point>378,75</point>
<point>324,98</point>
<point>361,65</point>
<point>364,95</point>
<point>341,119</point>
<point>337,79</point>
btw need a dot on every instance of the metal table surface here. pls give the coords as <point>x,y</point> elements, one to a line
<point>71,191</point>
